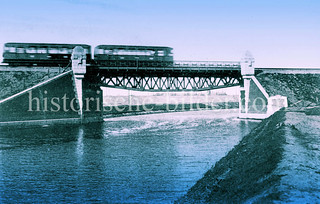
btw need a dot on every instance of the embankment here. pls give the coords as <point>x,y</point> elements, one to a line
<point>301,89</point>
<point>14,82</point>
<point>278,161</point>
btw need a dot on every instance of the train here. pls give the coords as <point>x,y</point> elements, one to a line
<point>40,54</point>
<point>59,55</point>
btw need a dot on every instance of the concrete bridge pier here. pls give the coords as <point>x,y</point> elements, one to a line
<point>89,96</point>
<point>255,102</point>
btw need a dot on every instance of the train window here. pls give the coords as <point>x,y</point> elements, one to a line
<point>117,52</point>
<point>10,49</point>
<point>160,53</point>
<point>107,52</point>
<point>126,52</point>
<point>151,52</point>
<point>20,50</point>
<point>99,51</point>
<point>41,50</point>
<point>63,51</point>
<point>53,50</point>
<point>145,52</point>
<point>31,50</point>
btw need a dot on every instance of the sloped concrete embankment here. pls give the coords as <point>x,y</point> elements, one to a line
<point>278,161</point>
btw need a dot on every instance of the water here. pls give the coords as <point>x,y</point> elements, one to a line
<point>136,159</point>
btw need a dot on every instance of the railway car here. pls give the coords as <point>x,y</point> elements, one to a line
<point>40,54</point>
<point>133,56</point>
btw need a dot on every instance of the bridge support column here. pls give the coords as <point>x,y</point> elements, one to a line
<point>88,95</point>
<point>254,101</point>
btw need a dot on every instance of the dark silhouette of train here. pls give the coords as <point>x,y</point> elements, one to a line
<point>125,55</point>
<point>59,55</point>
<point>40,54</point>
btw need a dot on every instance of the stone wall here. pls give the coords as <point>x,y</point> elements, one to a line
<point>54,99</point>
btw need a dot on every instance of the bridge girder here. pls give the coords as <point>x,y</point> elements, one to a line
<point>164,81</point>
<point>158,84</point>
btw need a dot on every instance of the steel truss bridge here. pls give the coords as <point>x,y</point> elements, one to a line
<point>182,76</point>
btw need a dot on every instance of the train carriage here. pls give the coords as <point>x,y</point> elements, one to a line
<point>40,54</point>
<point>133,56</point>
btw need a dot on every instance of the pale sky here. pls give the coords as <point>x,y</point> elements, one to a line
<point>278,33</point>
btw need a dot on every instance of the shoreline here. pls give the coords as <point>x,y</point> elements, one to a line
<point>231,111</point>
<point>165,108</point>
<point>276,162</point>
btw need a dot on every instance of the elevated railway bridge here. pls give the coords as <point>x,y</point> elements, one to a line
<point>182,76</point>
<point>82,82</point>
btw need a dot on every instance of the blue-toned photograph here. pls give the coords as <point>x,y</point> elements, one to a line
<point>138,101</point>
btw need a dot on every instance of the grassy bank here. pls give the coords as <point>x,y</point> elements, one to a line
<point>278,161</point>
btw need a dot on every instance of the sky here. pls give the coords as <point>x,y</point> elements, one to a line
<point>278,33</point>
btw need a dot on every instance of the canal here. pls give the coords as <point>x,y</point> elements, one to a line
<point>134,159</point>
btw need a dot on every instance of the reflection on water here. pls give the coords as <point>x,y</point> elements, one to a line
<point>142,159</point>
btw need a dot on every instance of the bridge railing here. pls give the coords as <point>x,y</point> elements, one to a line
<point>198,64</point>
<point>183,66</point>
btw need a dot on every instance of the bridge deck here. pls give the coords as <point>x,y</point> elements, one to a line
<point>186,66</point>
<point>181,76</point>
<point>197,66</point>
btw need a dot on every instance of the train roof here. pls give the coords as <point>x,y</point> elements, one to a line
<point>15,44</point>
<point>133,47</point>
